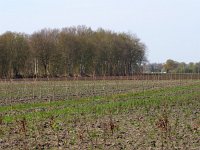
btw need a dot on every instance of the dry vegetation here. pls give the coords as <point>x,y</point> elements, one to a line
<point>115,114</point>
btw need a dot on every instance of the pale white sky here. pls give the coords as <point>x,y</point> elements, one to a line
<point>169,28</point>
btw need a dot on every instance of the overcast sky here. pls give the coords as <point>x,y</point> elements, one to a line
<point>169,28</point>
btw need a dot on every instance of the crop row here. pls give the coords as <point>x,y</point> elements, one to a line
<point>26,91</point>
<point>159,118</point>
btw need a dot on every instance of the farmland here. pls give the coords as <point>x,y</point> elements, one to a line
<point>100,114</point>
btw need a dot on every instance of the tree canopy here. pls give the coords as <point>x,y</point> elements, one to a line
<point>72,51</point>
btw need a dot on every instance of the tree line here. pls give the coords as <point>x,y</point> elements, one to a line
<point>172,66</point>
<point>72,51</point>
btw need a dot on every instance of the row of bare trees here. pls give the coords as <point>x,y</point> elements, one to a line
<point>71,51</point>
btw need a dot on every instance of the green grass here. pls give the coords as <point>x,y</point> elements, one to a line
<point>101,105</point>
